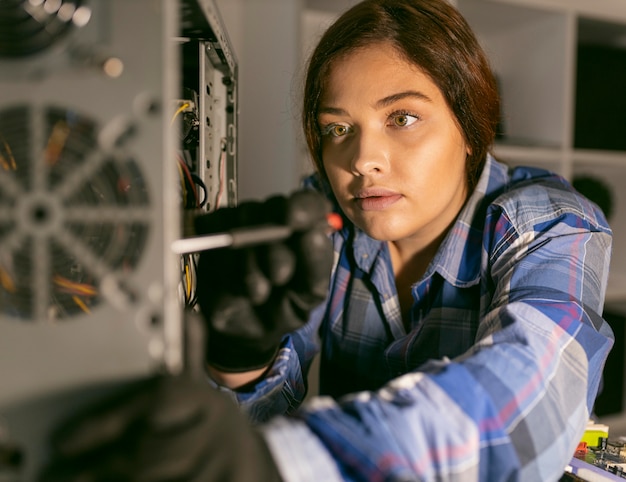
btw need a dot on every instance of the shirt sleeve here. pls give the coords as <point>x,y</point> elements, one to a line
<point>284,386</point>
<point>515,405</point>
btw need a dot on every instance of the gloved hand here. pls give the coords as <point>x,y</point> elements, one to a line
<point>251,297</point>
<point>166,428</point>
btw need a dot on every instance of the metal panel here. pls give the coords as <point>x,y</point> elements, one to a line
<point>89,207</point>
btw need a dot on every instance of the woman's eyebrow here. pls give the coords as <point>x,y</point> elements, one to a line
<point>384,102</point>
<point>390,99</point>
<point>331,110</point>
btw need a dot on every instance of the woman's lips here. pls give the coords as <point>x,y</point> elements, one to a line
<point>376,199</point>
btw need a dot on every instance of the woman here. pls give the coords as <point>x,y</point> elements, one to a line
<point>461,338</point>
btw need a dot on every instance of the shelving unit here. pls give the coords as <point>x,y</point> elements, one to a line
<point>561,66</point>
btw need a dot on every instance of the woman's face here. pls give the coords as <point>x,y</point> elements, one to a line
<point>391,148</point>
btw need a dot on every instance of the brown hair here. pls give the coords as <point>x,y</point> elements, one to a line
<point>435,37</point>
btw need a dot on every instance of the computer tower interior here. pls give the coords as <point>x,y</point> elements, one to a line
<point>118,121</point>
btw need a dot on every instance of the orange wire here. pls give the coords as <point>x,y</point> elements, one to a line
<point>69,286</point>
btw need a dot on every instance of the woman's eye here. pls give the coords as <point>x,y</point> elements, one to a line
<point>335,130</point>
<point>403,120</point>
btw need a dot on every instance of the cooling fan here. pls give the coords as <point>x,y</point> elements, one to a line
<point>88,209</point>
<point>86,186</point>
<point>73,214</point>
<point>31,26</point>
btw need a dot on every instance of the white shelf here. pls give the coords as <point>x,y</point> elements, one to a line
<point>533,46</point>
<point>529,52</point>
<point>592,158</point>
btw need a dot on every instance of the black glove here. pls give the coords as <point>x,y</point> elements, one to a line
<point>165,428</point>
<point>251,297</point>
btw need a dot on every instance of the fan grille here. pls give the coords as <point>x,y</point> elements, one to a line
<point>30,26</point>
<point>70,213</point>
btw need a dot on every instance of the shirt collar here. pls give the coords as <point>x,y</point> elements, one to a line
<point>459,256</point>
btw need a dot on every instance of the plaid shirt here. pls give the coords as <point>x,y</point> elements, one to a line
<point>497,374</point>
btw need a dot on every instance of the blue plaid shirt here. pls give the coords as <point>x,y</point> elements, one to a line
<point>495,377</point>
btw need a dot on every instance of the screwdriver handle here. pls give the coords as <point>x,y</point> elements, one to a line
<point>242,237</point>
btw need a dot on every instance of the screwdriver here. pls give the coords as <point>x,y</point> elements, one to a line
<point>242,237</point>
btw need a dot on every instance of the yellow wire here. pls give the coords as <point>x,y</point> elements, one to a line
<point>6,281</point>
<point>56,142</point>
<point>79,288</point>
<point>12,165</point>
<point>188,279</point>
<point>81,304</point>
<point>182,181</point>
<point>178,111</point>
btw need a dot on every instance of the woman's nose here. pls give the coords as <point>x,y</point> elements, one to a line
<point>370,154</point>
